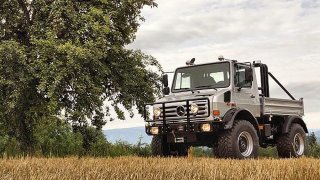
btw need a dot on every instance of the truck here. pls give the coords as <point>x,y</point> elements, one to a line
<point>225,105</point>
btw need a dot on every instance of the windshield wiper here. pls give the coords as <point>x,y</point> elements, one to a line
<point>206,86</point>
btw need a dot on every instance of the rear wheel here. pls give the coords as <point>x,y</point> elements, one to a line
<point>240,142</point>
<point>293,143</point>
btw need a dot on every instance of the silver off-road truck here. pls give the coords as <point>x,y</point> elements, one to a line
<point>225,105</point>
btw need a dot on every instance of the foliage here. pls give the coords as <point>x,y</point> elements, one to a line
<point>268,152</point>
<point>312,139</point>
<point>201,152</point>
<point>121,148</point>
<point>314,147</point>
<point>314,151</point>
<point>65,58</point>
<point>10,147</point>
<point>55,137</point>
<point>61,141</point>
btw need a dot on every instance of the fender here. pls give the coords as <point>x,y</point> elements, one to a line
<point>293,119</point>
<point>232,114</point>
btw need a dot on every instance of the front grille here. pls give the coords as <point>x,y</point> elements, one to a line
<point>171,114</point>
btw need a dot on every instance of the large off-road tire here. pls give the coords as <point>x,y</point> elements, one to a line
<point>292,144</point>
<point>159,147</point>
<point>240,142</point>
<point>179,150</point>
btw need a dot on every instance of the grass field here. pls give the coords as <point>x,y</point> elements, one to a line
<point>158,168</point>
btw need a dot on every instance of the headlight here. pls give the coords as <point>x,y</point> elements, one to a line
<point>156,111</point>
<point>194,108</point>
<point>205,127</point>
<point>154,130</point>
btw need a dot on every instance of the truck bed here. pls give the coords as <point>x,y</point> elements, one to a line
<point>275,106</point>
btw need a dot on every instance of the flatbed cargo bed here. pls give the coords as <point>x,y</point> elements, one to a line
<point>275,106</point>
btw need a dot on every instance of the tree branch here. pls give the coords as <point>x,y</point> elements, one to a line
<point>25,11</point>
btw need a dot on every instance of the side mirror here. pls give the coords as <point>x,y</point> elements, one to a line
<point>166,91</point>
<point>248,75</point>
<point>165,80</point>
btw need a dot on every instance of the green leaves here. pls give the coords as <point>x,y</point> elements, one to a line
<point>13,74</point>
<point>67,58</point>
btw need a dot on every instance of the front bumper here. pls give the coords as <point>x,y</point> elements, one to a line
<point>178,133</point>
<point>192,127</point>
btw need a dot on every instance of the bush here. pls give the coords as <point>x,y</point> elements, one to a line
<point>3,143</point>
<point>102,148</point>
<point>12,148</point>
<point>268,152</point>
<point>314,147</point>
<point>314,151</point>
<point>54,137</point>
<point>201,152</point>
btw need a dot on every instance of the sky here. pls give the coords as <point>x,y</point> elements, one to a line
<point>284,34</point>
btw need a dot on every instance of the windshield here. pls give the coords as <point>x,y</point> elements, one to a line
<point>209,76</point>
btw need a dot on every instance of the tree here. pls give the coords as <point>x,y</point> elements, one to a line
<point>312,139</point>
<point>65,58</point>
<point>314,147</point>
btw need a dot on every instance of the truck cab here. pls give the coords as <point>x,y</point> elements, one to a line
<point>222,106</point>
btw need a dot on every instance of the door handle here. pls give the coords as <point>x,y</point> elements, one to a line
<point>252,96</point>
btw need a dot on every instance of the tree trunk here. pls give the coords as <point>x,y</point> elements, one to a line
<point>25,129</point>
<point>26,136</point>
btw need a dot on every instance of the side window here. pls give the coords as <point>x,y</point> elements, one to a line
<point>239,79</point>
<point>183,81</point>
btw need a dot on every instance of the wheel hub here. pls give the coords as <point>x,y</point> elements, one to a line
<point>242,144</point>
<point>298,144</point>
<point>245,143</point>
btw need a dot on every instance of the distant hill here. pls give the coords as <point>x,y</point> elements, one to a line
<point>130,135</point>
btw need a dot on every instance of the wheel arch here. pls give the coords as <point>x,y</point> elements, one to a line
<point>293,119</point>
<point>240,114</point>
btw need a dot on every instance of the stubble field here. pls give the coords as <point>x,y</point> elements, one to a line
<point>158,168</point>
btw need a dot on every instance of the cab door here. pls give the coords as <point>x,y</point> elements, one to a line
<point>245,93</point>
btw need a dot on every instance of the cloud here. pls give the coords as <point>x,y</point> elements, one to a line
<point>309,91</point>
<point>278,32</point>
<point>284,34</point>
<point>310,4</point>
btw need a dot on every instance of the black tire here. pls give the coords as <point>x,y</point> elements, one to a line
<point>159,147</point>
<point>292,144</point>
<point>180,150</point>
<point>240,142</point>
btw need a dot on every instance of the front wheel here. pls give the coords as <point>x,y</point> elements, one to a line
<point>293,143</point>
<point>240,142</point>
<point>179,150</point>
<point>159,147</point>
